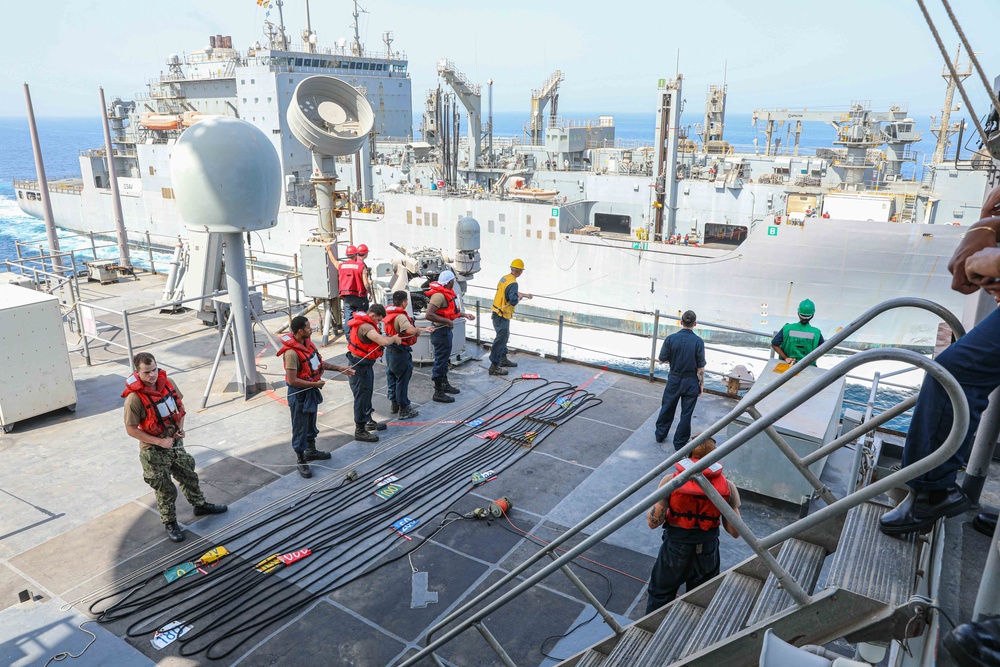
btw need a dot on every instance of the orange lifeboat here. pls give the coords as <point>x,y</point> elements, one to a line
<point>156,121</point>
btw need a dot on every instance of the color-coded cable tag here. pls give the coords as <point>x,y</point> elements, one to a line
<point>212,555</point>
<point>385,479</point>
<point>293,556</point>
<point>168,633</point>
<point>405,525</point>
<point>489,435</point>
<point>269,564</point>
<point>177,571</point>
<point>388,491</point>
<point>529,376</point>
<point>479,478</point>
<point>478,421</point>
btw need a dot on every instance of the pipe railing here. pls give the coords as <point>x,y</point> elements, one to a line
<point>960,424</point>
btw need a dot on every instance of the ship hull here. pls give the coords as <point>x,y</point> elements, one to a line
<point>844,266</point>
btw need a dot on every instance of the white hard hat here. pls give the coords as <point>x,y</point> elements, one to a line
<point>446,277</point>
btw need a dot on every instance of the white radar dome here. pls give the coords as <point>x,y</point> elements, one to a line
<point>329,116</point>
<point>226,176</point>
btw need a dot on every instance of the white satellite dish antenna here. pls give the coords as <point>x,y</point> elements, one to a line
<point>329,116</point>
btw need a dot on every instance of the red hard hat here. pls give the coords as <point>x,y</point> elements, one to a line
<point>362,249</point>
<point>351,251</point>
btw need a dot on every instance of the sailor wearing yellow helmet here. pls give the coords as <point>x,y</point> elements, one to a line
<point>506,298</point>
<point>795,341</point>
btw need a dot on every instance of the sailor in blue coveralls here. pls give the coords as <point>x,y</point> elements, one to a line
<point>974,361</point>
<point>685,352</point>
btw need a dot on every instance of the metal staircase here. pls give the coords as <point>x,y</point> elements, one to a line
<point>865,596</point>
<point>871,577</point>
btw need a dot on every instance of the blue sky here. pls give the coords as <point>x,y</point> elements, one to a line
<point>786,53</point>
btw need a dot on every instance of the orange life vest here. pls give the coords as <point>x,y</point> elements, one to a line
<point>310,363</point>
<point>362,348</point>
<point>350,276</point>
<point>162,403</point>
<point>689,507</point>
<point>391,313</point>
<point>450,310</point>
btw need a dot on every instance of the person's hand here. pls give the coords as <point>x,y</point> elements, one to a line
<point>346,370</point>
<point>991,207</point>
<point>319,384</point>
<point>165,443</point>
<point>973,242</point>
<point>983,269</point>
<point>179,434</point>
<point>523,295</point>
<point>469,316</point>
<point>427,330</point>
<point>396,340</point>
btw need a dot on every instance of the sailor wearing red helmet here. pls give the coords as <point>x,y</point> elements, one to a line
<point>355,281</point>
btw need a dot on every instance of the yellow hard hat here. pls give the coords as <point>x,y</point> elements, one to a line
<point>517,264</point>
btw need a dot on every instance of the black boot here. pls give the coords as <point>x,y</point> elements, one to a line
<point>361,433</point>
<point>209,508</point>
<point>440,395</point>
<point>174,531</point>
<point>448,388</point>
<point>921,509</point>
<point>409,412</point>
<point>507,363</point>
<point>497,370</point>
<point>303,466</point>
<point>975,644</point>
<point>373,425</point>
<point>394,407</point>
<point>985,523</point>
<point>313,454</point>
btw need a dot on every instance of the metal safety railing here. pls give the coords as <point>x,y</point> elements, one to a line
<point>473,618</point>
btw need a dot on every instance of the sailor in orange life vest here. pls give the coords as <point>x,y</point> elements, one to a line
<point>364,347</point>
<point>442,311</point>
<point>154,415</point>
<point>689,553</point>
<point>355,280</point>
<point>399,358</point>
<point>304,376</point>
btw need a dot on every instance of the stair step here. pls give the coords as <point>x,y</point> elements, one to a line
<point>726,612</point>
<point>803,560</point>
<point>592,658</point>
<point>629,647</point>
<point>872,564</point>
<point>672,635</point>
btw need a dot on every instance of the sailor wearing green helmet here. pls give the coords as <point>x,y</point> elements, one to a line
<point>795,341</point>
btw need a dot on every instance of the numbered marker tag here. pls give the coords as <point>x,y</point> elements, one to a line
<point>529,376</point>
<point>388,491</point>
<point>178,571</point>
<point>212,555</point>
<point>293,556</point>
<point>478,421</point>
<point>561,400</point>
<point>385,479</point>
<point>489,435</point>
<point>530,435</point>
<point>269,564</point>
<point>405,525</point>
<point>168,633</point>
<point>483,477</point>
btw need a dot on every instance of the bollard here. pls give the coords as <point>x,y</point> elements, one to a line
<point>478,320</point>
<point>559,341</point>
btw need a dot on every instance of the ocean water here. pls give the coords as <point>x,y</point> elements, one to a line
<point>63,138</point>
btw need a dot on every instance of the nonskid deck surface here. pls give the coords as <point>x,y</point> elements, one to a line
<point>77,517</point>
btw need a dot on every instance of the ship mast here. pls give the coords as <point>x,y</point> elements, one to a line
<point>945,130</point>
<point>356,47</point>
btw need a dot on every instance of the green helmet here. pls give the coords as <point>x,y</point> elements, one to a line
<point>807,308</point>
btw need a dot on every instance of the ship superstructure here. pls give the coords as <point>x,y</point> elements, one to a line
<point>740,233</point>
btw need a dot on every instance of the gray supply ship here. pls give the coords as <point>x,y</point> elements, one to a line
<point>615,229</point>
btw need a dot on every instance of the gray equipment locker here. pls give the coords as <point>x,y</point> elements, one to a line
<point>759,465</point>
<point>35,372</point>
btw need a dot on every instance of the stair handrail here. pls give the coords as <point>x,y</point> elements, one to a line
<point>959,427</point>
